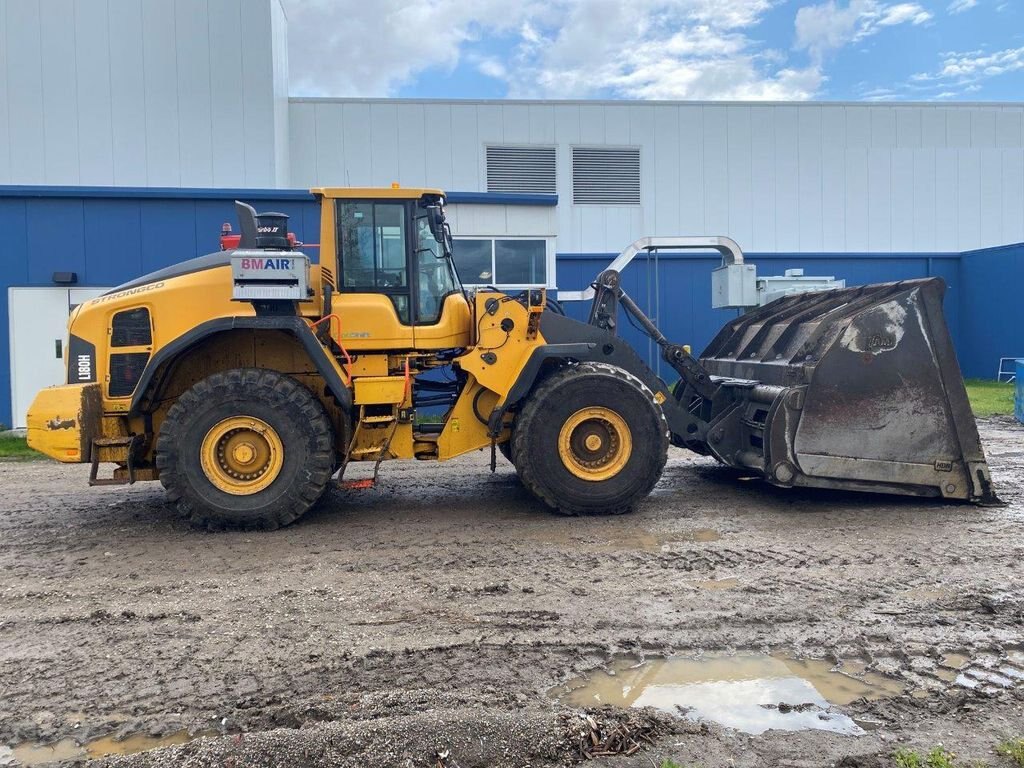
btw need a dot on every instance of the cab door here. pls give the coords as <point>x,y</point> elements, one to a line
<point>374,299</point>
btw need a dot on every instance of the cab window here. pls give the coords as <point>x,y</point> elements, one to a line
<point>436,279</point>
<point>372,244</point>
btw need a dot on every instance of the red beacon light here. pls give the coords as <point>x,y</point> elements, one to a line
<point>228,241</point>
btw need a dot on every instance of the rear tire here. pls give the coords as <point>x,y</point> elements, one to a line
<point>590,439</point>
<point>247,448</point>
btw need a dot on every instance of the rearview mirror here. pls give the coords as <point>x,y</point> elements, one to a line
<point>435,217</point>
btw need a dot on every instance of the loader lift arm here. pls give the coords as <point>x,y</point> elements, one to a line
<point>608,294</point>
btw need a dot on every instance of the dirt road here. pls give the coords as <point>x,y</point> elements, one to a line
<point>424,622</point>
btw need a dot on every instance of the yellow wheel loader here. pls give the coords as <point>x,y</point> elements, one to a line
<point>245,380</point>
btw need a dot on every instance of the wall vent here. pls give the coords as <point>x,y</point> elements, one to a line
<point>606,175</point>
<point>521,169</point>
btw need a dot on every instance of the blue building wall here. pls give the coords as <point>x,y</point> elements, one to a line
<point>991,308</point>
<point>674,289</point>
<point>108,236</point>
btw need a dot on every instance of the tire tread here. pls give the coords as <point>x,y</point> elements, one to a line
<point>275,387</point>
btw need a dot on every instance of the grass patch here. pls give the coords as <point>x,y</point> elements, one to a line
<point>937,757</point>
<point>1013,749</point>
<point>12,447</point>
<point>990,398</point>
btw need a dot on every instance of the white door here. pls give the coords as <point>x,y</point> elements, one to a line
<point>38,326</point>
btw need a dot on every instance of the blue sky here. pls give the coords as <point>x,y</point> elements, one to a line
<point>957,50</point>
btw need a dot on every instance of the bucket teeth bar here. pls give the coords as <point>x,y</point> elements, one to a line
<point>855,389</point>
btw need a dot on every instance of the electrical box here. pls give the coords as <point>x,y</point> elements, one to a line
<point>793,281</point>
<point>269,275</point>
<point>734,286</point>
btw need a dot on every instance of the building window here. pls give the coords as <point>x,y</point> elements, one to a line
<point>606,175</point>
<point>502,261</point>
<point>521,169</point>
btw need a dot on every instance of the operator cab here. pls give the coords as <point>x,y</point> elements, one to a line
<point>393,272</point>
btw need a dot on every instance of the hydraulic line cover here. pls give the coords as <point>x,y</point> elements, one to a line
<point>857,389</point>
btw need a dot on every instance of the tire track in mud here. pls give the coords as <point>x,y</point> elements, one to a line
<point>450,590</point>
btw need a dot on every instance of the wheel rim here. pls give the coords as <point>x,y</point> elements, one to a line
<point>595,443</point>
<point>242,455</point>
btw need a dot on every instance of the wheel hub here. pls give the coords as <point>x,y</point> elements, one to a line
<point>595,443</point>
<point>242,455</point>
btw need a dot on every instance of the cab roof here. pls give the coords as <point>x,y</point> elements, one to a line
<point>364,193</point>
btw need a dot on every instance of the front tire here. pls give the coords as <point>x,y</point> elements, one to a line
<point>590,439</point>
<point>247,448</point>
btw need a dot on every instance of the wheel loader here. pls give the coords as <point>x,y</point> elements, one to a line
<point>248,380</point>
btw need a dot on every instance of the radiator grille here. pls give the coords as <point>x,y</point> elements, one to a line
<point>606,175</point>
<point>125,371</point>
<point>521,169</point>
<point>131,329</point>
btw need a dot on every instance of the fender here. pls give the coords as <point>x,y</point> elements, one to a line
<point>570,339</point>
<point>288,323</point>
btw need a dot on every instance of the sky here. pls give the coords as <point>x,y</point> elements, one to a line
<point>776,50</point>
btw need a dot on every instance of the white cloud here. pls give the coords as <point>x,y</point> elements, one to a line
<point>492,68</point>
<point>964,72</point>
<point>683,49</point>
<point>959,6</point>
<point>829,26</point>
<point>975,65</point>
<point>359,48</point>
<point>678,49</point>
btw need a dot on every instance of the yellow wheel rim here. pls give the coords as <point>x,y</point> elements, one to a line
<point>242,455</point>
<point>595,443</point>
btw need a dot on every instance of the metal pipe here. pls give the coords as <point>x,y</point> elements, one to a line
<point>726,246</point>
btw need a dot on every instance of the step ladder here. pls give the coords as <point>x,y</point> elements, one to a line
<point>376,450</point>
<point>120,450</point>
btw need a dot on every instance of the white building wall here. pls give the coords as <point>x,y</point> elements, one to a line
<point>816,177</point>
<point>143,92</point>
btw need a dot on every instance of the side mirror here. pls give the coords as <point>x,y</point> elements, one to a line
<point>435,217</point>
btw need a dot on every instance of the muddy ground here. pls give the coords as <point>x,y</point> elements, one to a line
<point>431,615</point>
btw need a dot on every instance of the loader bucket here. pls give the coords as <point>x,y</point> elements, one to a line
<point>855,389</point>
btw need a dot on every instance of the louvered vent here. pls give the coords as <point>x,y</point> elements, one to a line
<point>606,175</point>
<point>327,277</point>
<point>521,169</point>
<point>125,371</point>
<point>131,329</point>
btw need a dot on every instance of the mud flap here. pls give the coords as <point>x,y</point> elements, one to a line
<point>856,389</point>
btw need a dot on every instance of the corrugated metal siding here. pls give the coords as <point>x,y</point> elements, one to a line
<point>777,177</point>
<point>991,309</point>
<point>675,291</point>
<point>108,240</point>
<point>112,92</point>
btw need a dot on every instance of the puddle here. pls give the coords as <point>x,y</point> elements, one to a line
<point>749,692</point>
<point>68,749</point>
<point>954,660</point>
<point>39,754</point>
<point>717,584</point>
